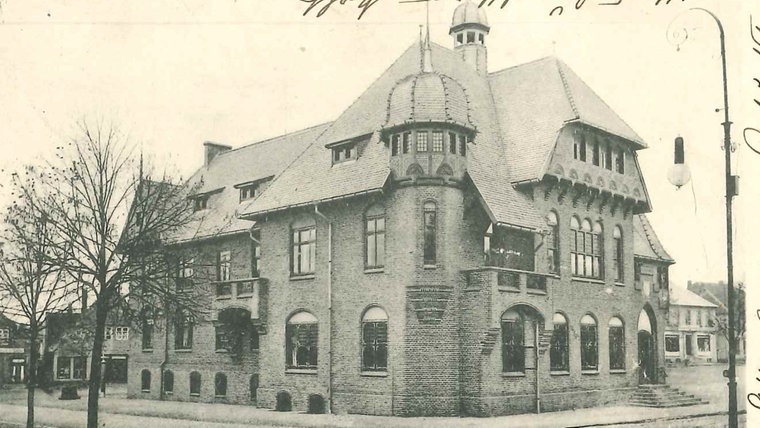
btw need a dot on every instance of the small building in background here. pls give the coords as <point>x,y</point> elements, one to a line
<point>14,346</point>
<point>692,329</point>
<point>717,293</point>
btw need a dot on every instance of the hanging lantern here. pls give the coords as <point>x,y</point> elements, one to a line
<point>679,173</point>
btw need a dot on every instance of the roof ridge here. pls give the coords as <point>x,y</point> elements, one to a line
<point>270,139</point>
<point>648,231</point>
<point>512,67</point>
<point>568,93</point>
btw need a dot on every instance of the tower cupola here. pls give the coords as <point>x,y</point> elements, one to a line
<point>469,27</point>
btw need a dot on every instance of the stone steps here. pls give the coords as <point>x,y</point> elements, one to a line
<point>663,396</point>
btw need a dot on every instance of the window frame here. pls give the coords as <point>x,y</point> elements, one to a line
<point>184,323</point>
<point>422,143</point>
<point>436,141</point>
<point>553,244</point>
<point>371,237</point>
<point>220,385</point>
<point>589,344</point>
<point>255,253</point>
<point>616,343</point>
<point>306,246</point>
<point>677,338</point>
<point>429,233</point>
<point>618,251</point>
<point>512,352</point>
<point>146,339</point>
<point>560,346</point>
<point>308,327</point>
<point>582,258</point>
<point>145,380</point>
<point>168,382</point>
<point>374,343</point>
<point>221,339</point>
<point>196,383</point>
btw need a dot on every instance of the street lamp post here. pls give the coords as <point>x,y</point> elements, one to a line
<point>679,176</point>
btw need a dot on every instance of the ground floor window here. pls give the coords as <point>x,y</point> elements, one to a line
<point>617,344</point>
<point>195,384</point>
<point>672,343</point>
<point>145,380</point>
<point>301,340</point>
<point>220,385</point>
<point>375,340</point>
<point>254,385</point>
<point>169,382</point>
<point>513,342</point>
<point>72,368</point>
<point>703,343</point>
<point>589,344</point>
<point>559,354</point>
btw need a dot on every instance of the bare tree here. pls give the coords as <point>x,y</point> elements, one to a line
<point>32,283</point>
<point>114,224</point>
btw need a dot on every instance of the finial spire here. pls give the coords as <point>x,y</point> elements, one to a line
<point>427,60</point>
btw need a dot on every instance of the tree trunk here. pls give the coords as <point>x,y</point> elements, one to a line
<point>101,314</point>
<point>31,377</point>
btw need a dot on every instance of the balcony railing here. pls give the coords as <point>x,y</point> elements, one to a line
<point>510,280</point>
<point>242,293</point>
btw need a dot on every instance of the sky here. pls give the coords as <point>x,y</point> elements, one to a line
<point>173,74</point>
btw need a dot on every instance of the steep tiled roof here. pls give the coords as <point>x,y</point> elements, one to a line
<point>252,162</point>
<point>535,100</point>
<point>645,241</point>
<point>683,297</point>
<point>313,178</point>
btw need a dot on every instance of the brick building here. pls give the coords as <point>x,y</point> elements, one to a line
<point>456,242</point>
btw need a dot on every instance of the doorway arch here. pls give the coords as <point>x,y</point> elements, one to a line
<point>647,345</point>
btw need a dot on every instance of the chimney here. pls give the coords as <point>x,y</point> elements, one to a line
<point>212,150</point>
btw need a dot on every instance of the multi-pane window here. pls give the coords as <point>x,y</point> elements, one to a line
<point>579,147</point>
<point>220,385</point>
<point>672,343</point>
<point>422,141</point>
<point>617,344</point>
<point>344,153</point>
<point>222,342</point>
<point>437,141</point>
<point>183,332</point>
<point>703,343</point>
<point>595,153</point>
<point>147,334</point>
<point>687,317</point>
<point>375,238</point>
<point>452,143</point>
<point>169,382</point>
<point>589,344</point>
<point>122,333</point>
<point>185,273</point>
<point>608,157</point>
<point>255,252</point>
<point>195,384</point>
<point>586,249</point>
<point>617,262</point>
<point>200,203</point>
<point>301,341</point>
<point>429,244</point>
<point>249,192</point>
<point>304,250</point>
<point>64,368</point>
<point>375,340</point>
<point>145,380</point>
<point>395,143</point>
<point>223,266</point>
<point>513,342</point>
<point>462,145</point>
<point>553,242</point>
<point>620,161</point>
<point>109,333</point>
<point>5,335</point>
<point>559,354</point>
<point>407,142</point>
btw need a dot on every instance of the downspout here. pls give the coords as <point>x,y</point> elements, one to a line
<point>329,309</point>
<point>162,392</point>
<point>538,366</point>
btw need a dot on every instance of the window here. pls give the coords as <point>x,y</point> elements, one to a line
<point>185,273</point>
<point>617,344</point>
<point>183,332</point>
<point>462,145</point>
<point>375,237</point>
<point>672,343</point>
<point>145,380</point>
<point>637,271</point>
<point>438,141</point>
<point>586,253</point>
<point>375,340</point>
<point>64,368</point>
<point>109,333</point>
<point>255,252</point>
<point>452,143</point>
<point>147,334</point>
<point>222,342</point>
<point>553,242</point>
<point>304,250</point>
<point>253,341</point>
<point>703,343</point>
<point>253,385</point>
<point>699,318</point>
<point>429,245</point>
<point>220,385</point>
<point>122,333</point>
<point>344,152</point>
<point>200,203</point>
<point>470,37</point>
<point>559,354</point>
<point>662,276</point>
<point>195,384</point>
<point>5,336</point>
<point>395,142</point>
<point>589,344</point>
<point>169,382</point>
<point>513,342</point>
<point>687,317</point>
<point>608,157</point>
<point>249,191</point>
<point>223,266</point>
<point>595,153</point>
<point>301,340</point>
<point>617,262</point>
<point>407,142</point>
<point>620,161</point>
<point>579,146</point>
<point>460,39</point>
<point>694,317</point>
<point>481,38</point>
<point>422,141</point>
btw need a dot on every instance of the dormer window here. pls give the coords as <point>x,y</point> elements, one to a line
<point>249,192</point>
<point>344,153</point>
<point>460,39</point>
<point>200,203</point>
<point>470,37</point>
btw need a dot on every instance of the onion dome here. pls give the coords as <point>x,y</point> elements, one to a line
<point>468,14</point>
<point>428,97</point>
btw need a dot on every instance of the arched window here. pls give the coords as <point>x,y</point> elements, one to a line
<point>560,351</point>
<point>586,254</point>
<point>301,341</point>
<point>553,242</point>
<point>169,382</point>
<point>374,243</point>
<point>195,384</point>
<point>513,342</point>
<point>429,245</point>
<point>589,344</point>
<point>253,386</point>
<point>375,340</point>
<point>617,236</point>
<point>220,385</point>
<point>183,331</point>
<point>304,247</point>
<point>145,378</point>
<point>617,344</point>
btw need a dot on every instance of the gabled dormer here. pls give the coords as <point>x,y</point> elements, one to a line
<point>347,150</point>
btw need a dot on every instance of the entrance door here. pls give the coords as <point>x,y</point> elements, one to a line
<point>116,369</point>
<point>646,357</point>
<point>17,370</point>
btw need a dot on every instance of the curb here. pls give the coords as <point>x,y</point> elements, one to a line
<point>650,420</point>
